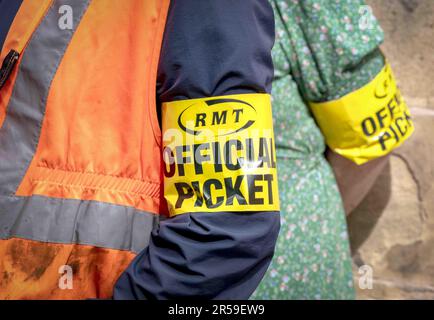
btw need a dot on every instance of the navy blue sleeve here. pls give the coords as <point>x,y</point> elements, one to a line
<point>8,10</point>
<point>210,48</point>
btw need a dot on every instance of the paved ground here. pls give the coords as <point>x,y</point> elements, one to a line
<point>393,229</point>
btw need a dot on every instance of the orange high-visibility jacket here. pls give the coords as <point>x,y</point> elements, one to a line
<point>79,205</point>
<point>81,166</point>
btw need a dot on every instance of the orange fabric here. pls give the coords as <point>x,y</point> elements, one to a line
<point>30,270</point>
<point>90,186</point>
<point>26,20</point>
<point>100,138</point>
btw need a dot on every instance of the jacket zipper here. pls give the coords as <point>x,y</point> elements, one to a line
<point>7,66</point>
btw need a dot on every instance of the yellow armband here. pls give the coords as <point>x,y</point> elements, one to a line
<point>219,154</point>
<point>367,123</point>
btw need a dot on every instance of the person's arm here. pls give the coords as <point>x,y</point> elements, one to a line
<point>212,49</point>
<point>348,84</point>
<point>373,120</point>
<point>354,181</point>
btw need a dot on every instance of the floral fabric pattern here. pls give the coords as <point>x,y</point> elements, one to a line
<point>321,53</point>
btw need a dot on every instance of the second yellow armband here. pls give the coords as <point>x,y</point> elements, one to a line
<point>367,123</point>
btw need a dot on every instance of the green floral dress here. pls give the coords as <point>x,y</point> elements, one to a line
<point>324,49</point>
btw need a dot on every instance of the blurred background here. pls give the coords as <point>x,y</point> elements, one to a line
<point>392,230</point>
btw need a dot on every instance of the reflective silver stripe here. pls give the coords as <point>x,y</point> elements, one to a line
<point>43,218</point>
<point>21,128</point>
<point>75,221</point>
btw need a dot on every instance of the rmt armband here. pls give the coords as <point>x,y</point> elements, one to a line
<point>367,123</point>
<point>219,154</point>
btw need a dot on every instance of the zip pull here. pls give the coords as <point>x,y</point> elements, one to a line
<point>7,66</point>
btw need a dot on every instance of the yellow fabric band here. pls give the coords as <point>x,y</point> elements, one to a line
<point>367,123</point>
<point>219,154</point>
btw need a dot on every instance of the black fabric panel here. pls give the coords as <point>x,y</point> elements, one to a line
<point>214,48</point>
<point>8,10</point>
<point>203,256</point>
